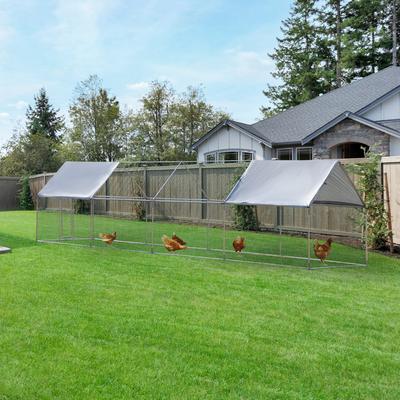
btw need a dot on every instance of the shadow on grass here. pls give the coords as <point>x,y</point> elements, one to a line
<point>16,242</point>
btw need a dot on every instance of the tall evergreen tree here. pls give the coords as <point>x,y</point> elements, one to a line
<point>330,16</point>
<point>394,32</point>
<point>367,37</point>
<point>43,119</point>
<point>328,43</point>
<point>302,59</point>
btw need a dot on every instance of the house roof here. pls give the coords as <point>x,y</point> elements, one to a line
<point>309,118</point>
<point>296,123</point>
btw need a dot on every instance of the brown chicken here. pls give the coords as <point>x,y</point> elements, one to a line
<point>172,245</point>
<point>178,239</point>
<point>238,244</point>
<point>322,251</point>
<point>108,237</point>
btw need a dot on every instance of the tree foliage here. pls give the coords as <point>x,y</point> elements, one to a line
<point>370,187</point>
<point>42,119</point>
<point>328,43</point>
<point>167,125</point>
<point>25,196</point>
<point>35,149</point>
<point>302,60</point>
<point>98,124</point>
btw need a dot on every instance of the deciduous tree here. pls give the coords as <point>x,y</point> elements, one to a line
<point>98,123</point>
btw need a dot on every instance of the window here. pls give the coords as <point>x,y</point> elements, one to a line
<point>304,153</point>
<point>284,154</point>
<point>247,155</point>
<point>228,156</point>
<point>211,158</point>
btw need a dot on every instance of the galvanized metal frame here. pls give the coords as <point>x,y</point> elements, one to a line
<point>204,200</point>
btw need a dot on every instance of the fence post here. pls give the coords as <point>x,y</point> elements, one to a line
<point>201,192</point>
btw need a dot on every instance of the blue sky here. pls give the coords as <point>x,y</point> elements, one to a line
<point>221,44</point>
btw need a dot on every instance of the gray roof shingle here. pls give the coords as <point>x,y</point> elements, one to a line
<point>300,121</point>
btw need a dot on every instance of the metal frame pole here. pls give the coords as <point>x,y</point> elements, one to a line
<point>91,222</point>
<point>152,227</point>
<point>167,180</point>
<point>224,240</point>
<point>72,221</point>
<point>280,232</point>
<point>37,219</point>
<point>208,225</point>
<point>309,239</point>
<point>366,240</point>
<point>60,221</point>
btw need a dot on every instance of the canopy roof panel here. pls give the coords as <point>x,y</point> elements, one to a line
<point>78,180</point>
<point>295,184</point>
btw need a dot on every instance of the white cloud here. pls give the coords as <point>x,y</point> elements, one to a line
<point>19,105</point>
<point>4,115</point>
<point>229,66</point>
<point>138,86</point>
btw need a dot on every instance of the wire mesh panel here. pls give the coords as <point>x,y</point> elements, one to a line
<point>143,210</point>
<point>146,225</point>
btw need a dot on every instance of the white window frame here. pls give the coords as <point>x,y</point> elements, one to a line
<point>214,153</point>
<point>252,152</point>
<point>229,151</point>
<point>303,148</point>
<point>284,148</point>
<point>240,156</point>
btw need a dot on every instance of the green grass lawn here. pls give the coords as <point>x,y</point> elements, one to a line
<point>95,323</point>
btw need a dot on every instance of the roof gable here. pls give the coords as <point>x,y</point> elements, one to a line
<point>348,115</point>
<point>248,130</point>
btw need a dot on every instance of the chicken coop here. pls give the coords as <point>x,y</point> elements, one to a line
<point>117,207</point>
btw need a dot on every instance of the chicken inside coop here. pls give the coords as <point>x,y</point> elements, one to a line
<point>171,244</point>
<point>238,244</point>
<point>322,250</point>
<point>108,237</point>
<point>178,239</point>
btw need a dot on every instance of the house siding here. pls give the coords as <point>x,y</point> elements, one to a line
<point>388,109</point>
<point>350,131</point>
<point>228,138</point>
<point>394,146</point>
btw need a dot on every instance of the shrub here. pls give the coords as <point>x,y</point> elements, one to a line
<point>244,217</point>
<point>82,206</point>
<point>25,196</point>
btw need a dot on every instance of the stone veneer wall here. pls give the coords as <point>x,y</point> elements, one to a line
<point>351,131</point>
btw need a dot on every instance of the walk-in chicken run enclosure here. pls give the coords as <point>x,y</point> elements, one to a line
<point>97,204</point>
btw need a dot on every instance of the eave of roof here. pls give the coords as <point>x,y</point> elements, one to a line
<point>354,117</point>
<point>379,100</point>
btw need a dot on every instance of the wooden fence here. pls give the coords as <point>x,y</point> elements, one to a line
<point>391,167</point>
<point>9,193</point>
<point>199,181</point>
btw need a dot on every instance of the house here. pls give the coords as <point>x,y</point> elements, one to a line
<point>340,124</point>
